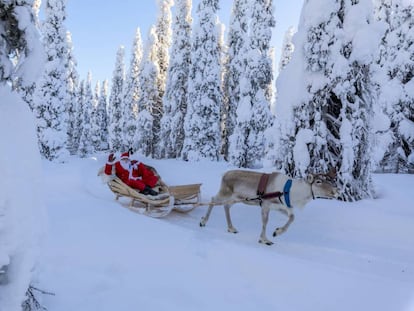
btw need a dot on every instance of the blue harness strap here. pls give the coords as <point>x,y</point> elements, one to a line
<point>286,192</point>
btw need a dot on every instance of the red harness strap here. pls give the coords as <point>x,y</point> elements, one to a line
<point>261,189</point>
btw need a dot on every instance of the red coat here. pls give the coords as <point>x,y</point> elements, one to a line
<point>133,173</point>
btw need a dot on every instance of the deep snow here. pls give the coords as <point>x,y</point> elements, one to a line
<point>21,207</point>
<point>335,256</point>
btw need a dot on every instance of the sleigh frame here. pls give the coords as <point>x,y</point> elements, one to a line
<point>181,198</point>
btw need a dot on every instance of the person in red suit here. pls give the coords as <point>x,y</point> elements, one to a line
<point>133,173</point>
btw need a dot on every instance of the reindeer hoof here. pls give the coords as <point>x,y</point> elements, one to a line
<point>232,230</point>
<point>267,242</point>
<point>278,231</point>
<point>202,222</point>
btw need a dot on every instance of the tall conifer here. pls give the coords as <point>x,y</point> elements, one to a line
<point>327,122</point>
<point>396,85</point>
<point>130,113</point>
<point>163,42</point>
<point>202,122</point>
<point>87,139</point>
<point>52,90</point>
<point>238,34</point>
<point>72,84</point>
<point>253,116</point>
<point>102,116</point>
<point>149,96</point>
<point>116,103</point>
<point>175,97</point>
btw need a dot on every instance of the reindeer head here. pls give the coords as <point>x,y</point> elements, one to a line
<point>323,185</point>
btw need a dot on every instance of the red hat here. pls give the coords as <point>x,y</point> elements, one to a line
<point>124,155</point>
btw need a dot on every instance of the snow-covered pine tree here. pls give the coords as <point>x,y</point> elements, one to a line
<point>253,116</point>
<point>116,103</point>
<point>102,116</point>
<point>396,84</point>
<point>72,84</point>
<point>148,96</point>
<point>51,91</point>
<point>79,110</point>
<point>261,70</point>
<point>202,121</point>
<point>287,48</point>
<point>326,122</point>
<point>96,141</point>
<point>164,34</point>
<point>383,136</point>
<point>271,89</point>
<point>175,96</point>
<point>223,65</point>
<point>26,87</point>
<point>130,113</point>
<point>294,112</point>
<point>163,31</point>
<point>22,49</point>
<point>21,216</point>
<point>237,36</point>
<point>86,146</point>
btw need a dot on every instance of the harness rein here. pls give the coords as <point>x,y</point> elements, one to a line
<point>261,195</point>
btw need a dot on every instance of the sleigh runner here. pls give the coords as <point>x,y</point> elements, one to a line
<point>182,198</point>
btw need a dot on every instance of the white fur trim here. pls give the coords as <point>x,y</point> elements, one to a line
<point>124,156</point>
<point>135,178</point>
<point>126,165</point>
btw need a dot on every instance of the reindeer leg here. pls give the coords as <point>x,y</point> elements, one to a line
<point>281,230</point>
<point>207,215</point>
<point>230,227</point>
<point>214,201</point>
<point>265,217</point>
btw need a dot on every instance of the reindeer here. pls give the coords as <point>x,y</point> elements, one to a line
<point>249,187</point>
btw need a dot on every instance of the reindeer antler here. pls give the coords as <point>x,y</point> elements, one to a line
<point>332,173</point>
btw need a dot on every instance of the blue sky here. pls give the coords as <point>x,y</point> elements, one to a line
<point>99,27</point>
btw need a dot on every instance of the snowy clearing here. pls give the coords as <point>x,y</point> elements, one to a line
<point>335,256</point>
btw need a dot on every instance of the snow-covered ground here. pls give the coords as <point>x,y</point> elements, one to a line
<point>335,256</point>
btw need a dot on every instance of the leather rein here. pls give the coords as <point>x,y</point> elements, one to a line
<point>262,195</point>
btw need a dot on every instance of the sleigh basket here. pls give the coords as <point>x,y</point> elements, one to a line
<point>182,198</point>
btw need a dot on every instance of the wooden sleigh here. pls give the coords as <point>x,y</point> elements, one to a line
<point>182,198</point>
